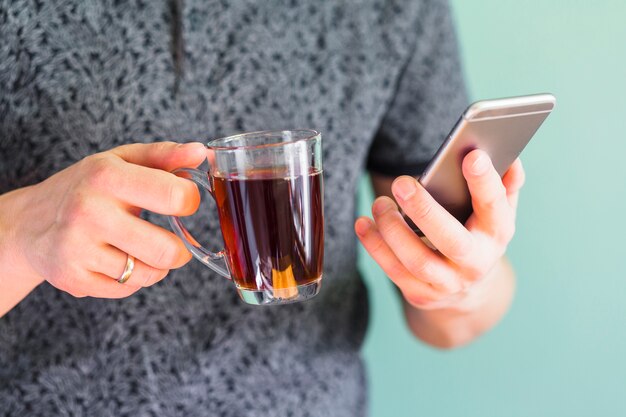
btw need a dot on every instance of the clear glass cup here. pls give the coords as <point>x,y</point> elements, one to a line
<point>269,191</point>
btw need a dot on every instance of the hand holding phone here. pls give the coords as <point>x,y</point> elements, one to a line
<point>457,274</point>
<point>501,128</point>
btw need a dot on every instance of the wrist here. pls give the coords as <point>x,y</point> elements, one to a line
<point>473,313</point>
<point>13,263</point>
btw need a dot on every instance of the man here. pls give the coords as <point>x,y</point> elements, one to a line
<point>81,82</point>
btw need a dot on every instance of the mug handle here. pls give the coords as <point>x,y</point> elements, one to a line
<point>215,261</point>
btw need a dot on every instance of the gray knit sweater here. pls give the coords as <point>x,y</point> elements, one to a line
<point>380,79</point>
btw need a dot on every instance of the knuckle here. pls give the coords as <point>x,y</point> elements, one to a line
<point>419,300</point>
<point>167,255</point>
<point>376,246</point>
<point>477,271</point>
<point>149,277</point>
<point>164,146</point>
<point>75,293</point>
<point>100,170</point>
<point>163,150</point>
<point>454,286</point>
<point>396,270</point>
<point>421,211</point>
<point>490,203</point>
<point>474,273</point>
<point>460,247</point>
<point>392,229</point>
<point>499,195</point>
<point>153,276</point>
<point>420,267</point>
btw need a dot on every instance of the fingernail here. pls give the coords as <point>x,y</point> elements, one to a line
<point>362,227</point>
<point>381,206</point>
<point>480,165</point>
<point>404,188</point>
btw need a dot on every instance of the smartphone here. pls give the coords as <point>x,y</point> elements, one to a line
<point>501,128</point>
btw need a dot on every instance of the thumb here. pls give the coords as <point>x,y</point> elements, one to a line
<point>163,155</point>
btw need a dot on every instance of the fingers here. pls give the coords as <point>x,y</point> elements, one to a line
<point>470,252</point>
<point>420,260</point>
<point>378,249</point>
<point>489,197</point>
<point>153,189</point>
<point>92,284</point>
<point>163,155</point>
<point>513,180</point>
<point>147,242</point>
<point>94,204</point>
<point>92,269</point>
<point>156,190</point>
<point>148,188</point>
<point>110,262</point>
<point>444,231</point>
<point>102,286</point>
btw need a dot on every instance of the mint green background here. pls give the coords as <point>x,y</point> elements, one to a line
<point>561,350</point>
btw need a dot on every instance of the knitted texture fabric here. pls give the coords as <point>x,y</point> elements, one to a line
<point>79,77</point>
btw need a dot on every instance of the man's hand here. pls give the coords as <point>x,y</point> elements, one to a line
<point>452,276</point>
<point>76,228</point>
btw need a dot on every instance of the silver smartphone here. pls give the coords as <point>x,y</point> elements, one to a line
<point>501,127</point>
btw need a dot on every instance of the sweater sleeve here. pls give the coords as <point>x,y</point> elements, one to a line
<point>430,96</point>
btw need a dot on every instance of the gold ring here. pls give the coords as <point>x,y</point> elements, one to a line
<point>128,269</point>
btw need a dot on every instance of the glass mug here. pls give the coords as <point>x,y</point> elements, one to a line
<point>269,192</point>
